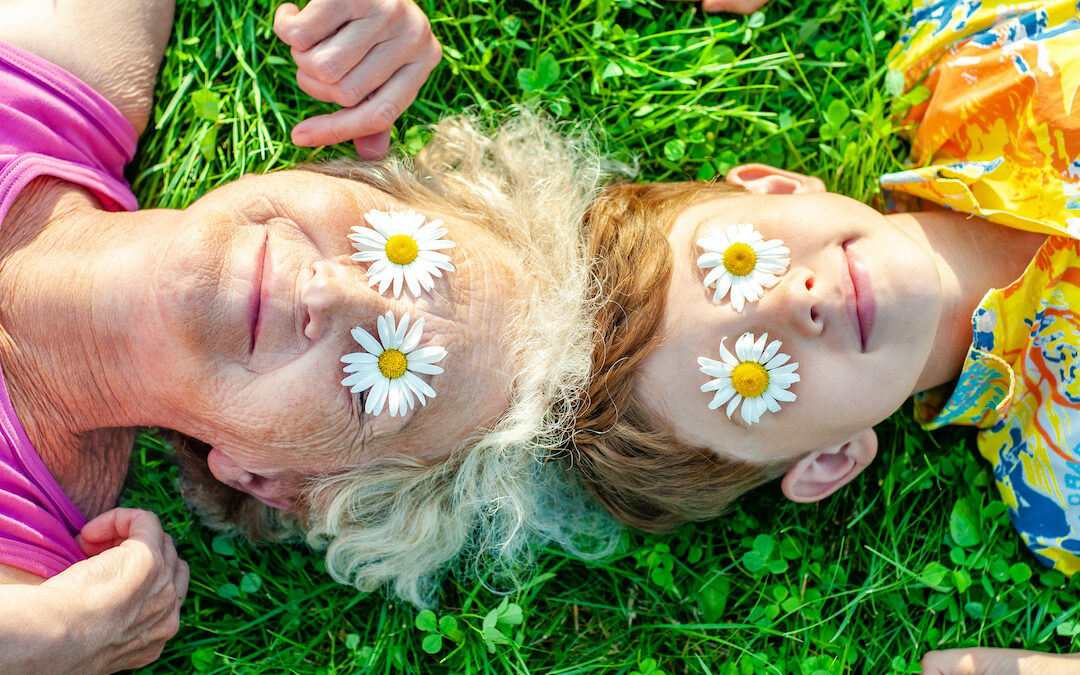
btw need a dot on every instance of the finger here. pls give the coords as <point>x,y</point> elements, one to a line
<point>949,661</point>
<point>358,83</point>
<point>375,115</point>
<point>181,580</point>
<point>736,6</point>
<point>336,56</point>
<point>169,556</point>
<point>373,146</point>
<point>409,56</point>
<point>313,24</point>
<point>115,526</point>
<point>283,17</point>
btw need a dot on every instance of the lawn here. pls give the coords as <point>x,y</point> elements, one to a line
<point>917,555</point>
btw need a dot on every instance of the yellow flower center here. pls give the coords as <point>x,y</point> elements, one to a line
<point>749,378</point>
<point>739,259</point>
<point>392,364</point>
<point>401,249</point>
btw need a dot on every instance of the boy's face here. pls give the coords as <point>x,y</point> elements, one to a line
<point>857,308</point>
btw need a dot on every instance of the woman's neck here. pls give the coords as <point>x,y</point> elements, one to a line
<point>63,322</point>
<point>973,256</point>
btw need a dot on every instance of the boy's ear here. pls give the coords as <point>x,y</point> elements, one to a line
<point>273,492</point>
<point>763,179</point>
<point>823,472</point>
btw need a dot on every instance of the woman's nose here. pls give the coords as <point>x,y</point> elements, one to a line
<point>328,297</point>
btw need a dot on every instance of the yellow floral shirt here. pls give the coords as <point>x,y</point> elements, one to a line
<point>999,138</point>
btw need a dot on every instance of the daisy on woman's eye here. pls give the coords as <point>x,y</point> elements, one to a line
<point>742,262</point>
<point>401,248</point>
<point>389,366</point>
<point>756,375</point>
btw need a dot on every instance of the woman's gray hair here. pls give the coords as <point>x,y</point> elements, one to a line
<point>402,522</point>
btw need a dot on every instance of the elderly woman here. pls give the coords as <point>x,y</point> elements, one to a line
<point>453,289</point>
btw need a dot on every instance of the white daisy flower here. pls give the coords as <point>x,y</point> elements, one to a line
<point>388,366</point>
<point>756,375</point>
<point>400,247</point>
<point>742,262</point>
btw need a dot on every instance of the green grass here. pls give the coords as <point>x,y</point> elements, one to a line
<point>916,555</point>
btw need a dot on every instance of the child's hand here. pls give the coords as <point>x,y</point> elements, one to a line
<point>368,56</point>
<point>983,661</point>
<point>736,6</point>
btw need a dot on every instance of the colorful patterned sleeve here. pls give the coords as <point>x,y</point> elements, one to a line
<point>998,136</point>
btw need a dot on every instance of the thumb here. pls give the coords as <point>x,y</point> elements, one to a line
<point>118,525</point>
<point>374,146</point>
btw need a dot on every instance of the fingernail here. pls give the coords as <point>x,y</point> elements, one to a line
<point>301,138</point>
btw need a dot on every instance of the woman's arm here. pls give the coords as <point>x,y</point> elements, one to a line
<point>115,47</point>
<point>113,611</point>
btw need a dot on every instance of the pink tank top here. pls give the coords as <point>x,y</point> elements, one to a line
<point>51,124</point>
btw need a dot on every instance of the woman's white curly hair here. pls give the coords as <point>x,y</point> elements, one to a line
<point>401,522</point>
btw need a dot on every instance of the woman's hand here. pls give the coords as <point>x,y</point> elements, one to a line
<point>113,611</point>
<point>998,662</point>
<point>368,56</point>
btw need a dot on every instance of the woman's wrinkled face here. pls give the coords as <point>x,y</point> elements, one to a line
<point>857,308</point>
<point>256,295</point>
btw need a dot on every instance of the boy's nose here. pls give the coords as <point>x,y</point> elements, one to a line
<point>331,297</point>
<point>795,302</point>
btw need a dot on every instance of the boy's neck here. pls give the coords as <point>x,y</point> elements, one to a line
<point>973,256</point>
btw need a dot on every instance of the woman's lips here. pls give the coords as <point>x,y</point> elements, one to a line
<point>258,291</point>
<point>860,303</point>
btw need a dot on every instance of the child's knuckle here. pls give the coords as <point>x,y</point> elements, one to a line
<point>348,94</point>
<point>328,67</point>
<point>383,113</point>
<point>300,37</point>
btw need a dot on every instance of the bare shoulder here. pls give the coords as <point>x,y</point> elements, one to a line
<point>14,575</point>
<point>115,47</point>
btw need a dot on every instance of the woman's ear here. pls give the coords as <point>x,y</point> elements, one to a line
<point>763,179</point>
<point>823,472</point>
<point>273,492</point>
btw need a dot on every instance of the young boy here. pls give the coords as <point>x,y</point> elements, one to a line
<point>971,314</point>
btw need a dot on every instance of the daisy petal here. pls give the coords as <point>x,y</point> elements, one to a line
<point>376,398</point>
<point>392,390</point>
<point>733,404</point>
<point>753,400</point>
<point>412,338</point>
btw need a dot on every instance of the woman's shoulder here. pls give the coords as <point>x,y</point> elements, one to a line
<point>114,47</point>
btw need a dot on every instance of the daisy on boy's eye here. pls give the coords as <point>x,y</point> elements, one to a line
<point>388,366</point>
<point>742,263</point>
<point>400,247</point>
<point>757,375</point>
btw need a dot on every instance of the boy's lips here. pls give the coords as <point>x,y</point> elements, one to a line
<point>859,297</point>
